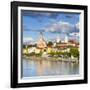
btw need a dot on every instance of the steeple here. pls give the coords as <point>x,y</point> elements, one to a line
<point>66,39</point>
<point>41,36</point>
<point>41,42</point>
<point>58,39</point>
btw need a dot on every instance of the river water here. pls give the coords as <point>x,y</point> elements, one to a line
<point>32,68</point>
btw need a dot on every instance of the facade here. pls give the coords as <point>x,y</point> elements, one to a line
<point>57,46</point>
<point>41,44</point>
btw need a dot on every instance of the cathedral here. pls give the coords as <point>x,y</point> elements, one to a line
<point>41,44</point>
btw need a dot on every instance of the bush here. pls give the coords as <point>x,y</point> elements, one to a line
<point>51,53</point>
<point>74,52</point>
<point>65,54</point>
<point>50,43</point>
<point>39,54</point>
<point>32,54</point>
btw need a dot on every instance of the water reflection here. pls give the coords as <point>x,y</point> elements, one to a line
<point>46,67</point>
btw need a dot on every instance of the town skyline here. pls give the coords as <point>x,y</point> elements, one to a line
<point>53,25</point>
<point>50,38</point>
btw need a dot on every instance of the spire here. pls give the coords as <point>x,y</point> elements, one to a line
<point>41,42</point>
<point>58,39</point>
<point>41,36</point>
<point>66,39</point>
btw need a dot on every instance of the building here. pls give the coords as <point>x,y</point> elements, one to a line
<point>58,39</point>
<point>41,44</point>
<point>66,39</point>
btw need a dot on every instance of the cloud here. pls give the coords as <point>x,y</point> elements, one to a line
<point>27,39</point>
<point>74,34</point>
<point>78,25</point>
<point>62,27</point>
<point>34,14</point>
<point>58,27</point>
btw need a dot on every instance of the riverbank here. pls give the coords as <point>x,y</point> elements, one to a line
<point>52,59</point>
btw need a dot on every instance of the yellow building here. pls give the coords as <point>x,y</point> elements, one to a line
<point>49,50</point>
<point>25,51</point>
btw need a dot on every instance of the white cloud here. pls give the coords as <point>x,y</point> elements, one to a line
<point>27,39</point>
<point>74,34</point>
<point>65,26</point>
<point>78,25</point>
<point>60,27</point>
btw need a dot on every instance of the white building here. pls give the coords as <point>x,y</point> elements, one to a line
<point>66,39</point>
<point>58,39</point>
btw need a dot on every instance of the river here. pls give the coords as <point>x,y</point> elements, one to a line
<point>32,68</point>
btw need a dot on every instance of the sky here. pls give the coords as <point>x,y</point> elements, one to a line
<point>52,24</point>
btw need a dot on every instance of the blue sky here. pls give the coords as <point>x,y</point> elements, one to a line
<point>51,23</point>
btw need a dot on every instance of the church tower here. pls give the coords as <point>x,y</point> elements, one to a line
<point>66,39</point>
<point>58,39</point>
<point>41,42</point>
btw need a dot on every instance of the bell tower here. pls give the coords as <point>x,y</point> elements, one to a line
<point>41,42</point>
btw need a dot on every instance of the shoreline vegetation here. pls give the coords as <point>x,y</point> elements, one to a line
<point>70,54</point>
<point>67,51</point>
<point>51,59</point>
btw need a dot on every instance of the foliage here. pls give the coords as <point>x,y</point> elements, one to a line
<point>50,43</point>
<point>32,54</point>
<point>74,52</point>
<point>38,54</point>
<point>65,54</point>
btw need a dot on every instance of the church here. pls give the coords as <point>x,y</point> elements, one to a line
<point>41,44</point>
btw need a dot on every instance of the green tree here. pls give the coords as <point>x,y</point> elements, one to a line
<point>50,43</point>
<point>74,52</point>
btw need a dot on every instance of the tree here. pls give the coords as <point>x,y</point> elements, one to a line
<point>74,52</point>
<point>50,43</point>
